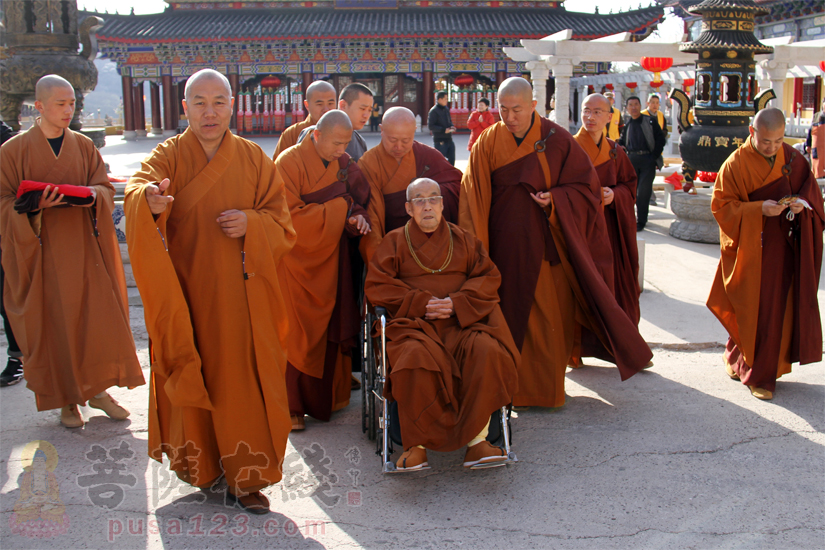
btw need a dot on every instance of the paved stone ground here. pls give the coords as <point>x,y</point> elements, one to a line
<point>678,456</point>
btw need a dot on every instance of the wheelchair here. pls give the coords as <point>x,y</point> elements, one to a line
<point>379,416</point>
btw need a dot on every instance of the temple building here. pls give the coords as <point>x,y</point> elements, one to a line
<point>403,50</point>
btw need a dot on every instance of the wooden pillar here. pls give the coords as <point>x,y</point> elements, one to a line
<point>233,84</point>
<point>427,92</point>
<point>169,126</point>
<point>154,91</point>
<point>307,80</point>
<point>174,97</point>
<point>140,115</point>
<point>501,76</point>
<point>128,108</point>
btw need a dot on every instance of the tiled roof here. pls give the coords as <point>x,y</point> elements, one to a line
<point>280,24</point>
<point>726,40</point>
<point>742,5</point>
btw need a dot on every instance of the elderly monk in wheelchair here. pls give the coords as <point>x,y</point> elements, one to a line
<point>452,358</point>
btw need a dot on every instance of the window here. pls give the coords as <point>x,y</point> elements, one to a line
<point>410,90</point>
<point>391,88</point>
<point>809,96</point>
<point>729,89</point>
<point>703,88</point>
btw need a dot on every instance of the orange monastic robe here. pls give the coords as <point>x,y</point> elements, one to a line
<point>765,290</point>
<point>289,137</point>
<point>447,375</point>
<point>214,311</point>
<point>316,277</point>
<point>65,290</point>
<point>556,263</point>
<point>389,179</point>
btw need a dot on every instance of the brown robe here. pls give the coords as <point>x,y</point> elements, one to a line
<point>447,375</point>
<point>289,137</point>
<point>616,172</point>
<point>65,289</point>
<point>556,263</point>
<point>765,290</point>
<point>316,277</point>
<point>389,180</point>
<point>214,311</point>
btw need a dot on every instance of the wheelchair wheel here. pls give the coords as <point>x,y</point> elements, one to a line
<point>366,366</point>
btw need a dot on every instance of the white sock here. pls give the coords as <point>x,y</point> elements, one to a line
<point>101,395</point>
<point>480,437</point>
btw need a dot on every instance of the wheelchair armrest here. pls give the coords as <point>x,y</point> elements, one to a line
<point>381,311</point>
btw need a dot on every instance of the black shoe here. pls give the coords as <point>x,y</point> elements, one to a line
<point>639,228</point>
<point>12,374</point>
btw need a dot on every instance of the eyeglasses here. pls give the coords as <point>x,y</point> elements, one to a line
<point>432,201</point>
<point>589,113</point>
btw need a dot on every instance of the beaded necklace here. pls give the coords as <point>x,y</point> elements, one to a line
<point>422,266</point>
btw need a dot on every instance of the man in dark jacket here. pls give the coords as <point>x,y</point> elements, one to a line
<point>644,142</point>
<point>441,125</point>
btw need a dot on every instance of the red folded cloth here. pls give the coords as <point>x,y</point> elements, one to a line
<point>80,191</point>
<point>29,193</point>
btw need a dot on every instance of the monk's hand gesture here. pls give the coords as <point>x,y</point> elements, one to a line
<point>772,208</point>
<point>156,199</point>
<point>439,308</point>
<point>607,193</point>
<point>360,224</point>
<point>796,207</point>
<point>50,197</point>
<point>233,223</point>
<point>542,198</point>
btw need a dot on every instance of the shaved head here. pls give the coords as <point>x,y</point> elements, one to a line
<point>319,86</point>
<point>597,100</point>
<point>768,131</point>
<point>771,119</point>
<point>425,204</point>
<point>333,119</point>
<point>206,75</point>
<point>517,87</point>
<point>398,132</point>
<point>332,135</point>
<point>421,187</point>
<point>48,84</point>
<point>398,116</point>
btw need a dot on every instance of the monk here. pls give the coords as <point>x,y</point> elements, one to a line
<point>65,289</point>
<point>531,194</point>
<point>452,359</point>
<point>320,98</point>
<point>356,101</point>
<point>327,197</point>
<point>207,225</point>
<point>618,181</point>
<point>770,215</point>
<point>390,168</point>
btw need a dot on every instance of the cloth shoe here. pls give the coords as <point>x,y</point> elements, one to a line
<point>483,453</point>
<point>70,417</point>
<point>730,371</point>
<point>414,458</point>
<point>254,503</point>
<point>761,393</point>
<point>298,423</point>
<point>108,405</point>
<point>13,373</point>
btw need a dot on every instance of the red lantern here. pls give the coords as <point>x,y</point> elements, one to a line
<point>270,82</point>
<point>609,86</point>
<point>631,85</point>
<point>822,66</point>
<point>688,82</point>
<point>464,80</point>
<point>655,84</point>
<point>656,65</point>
